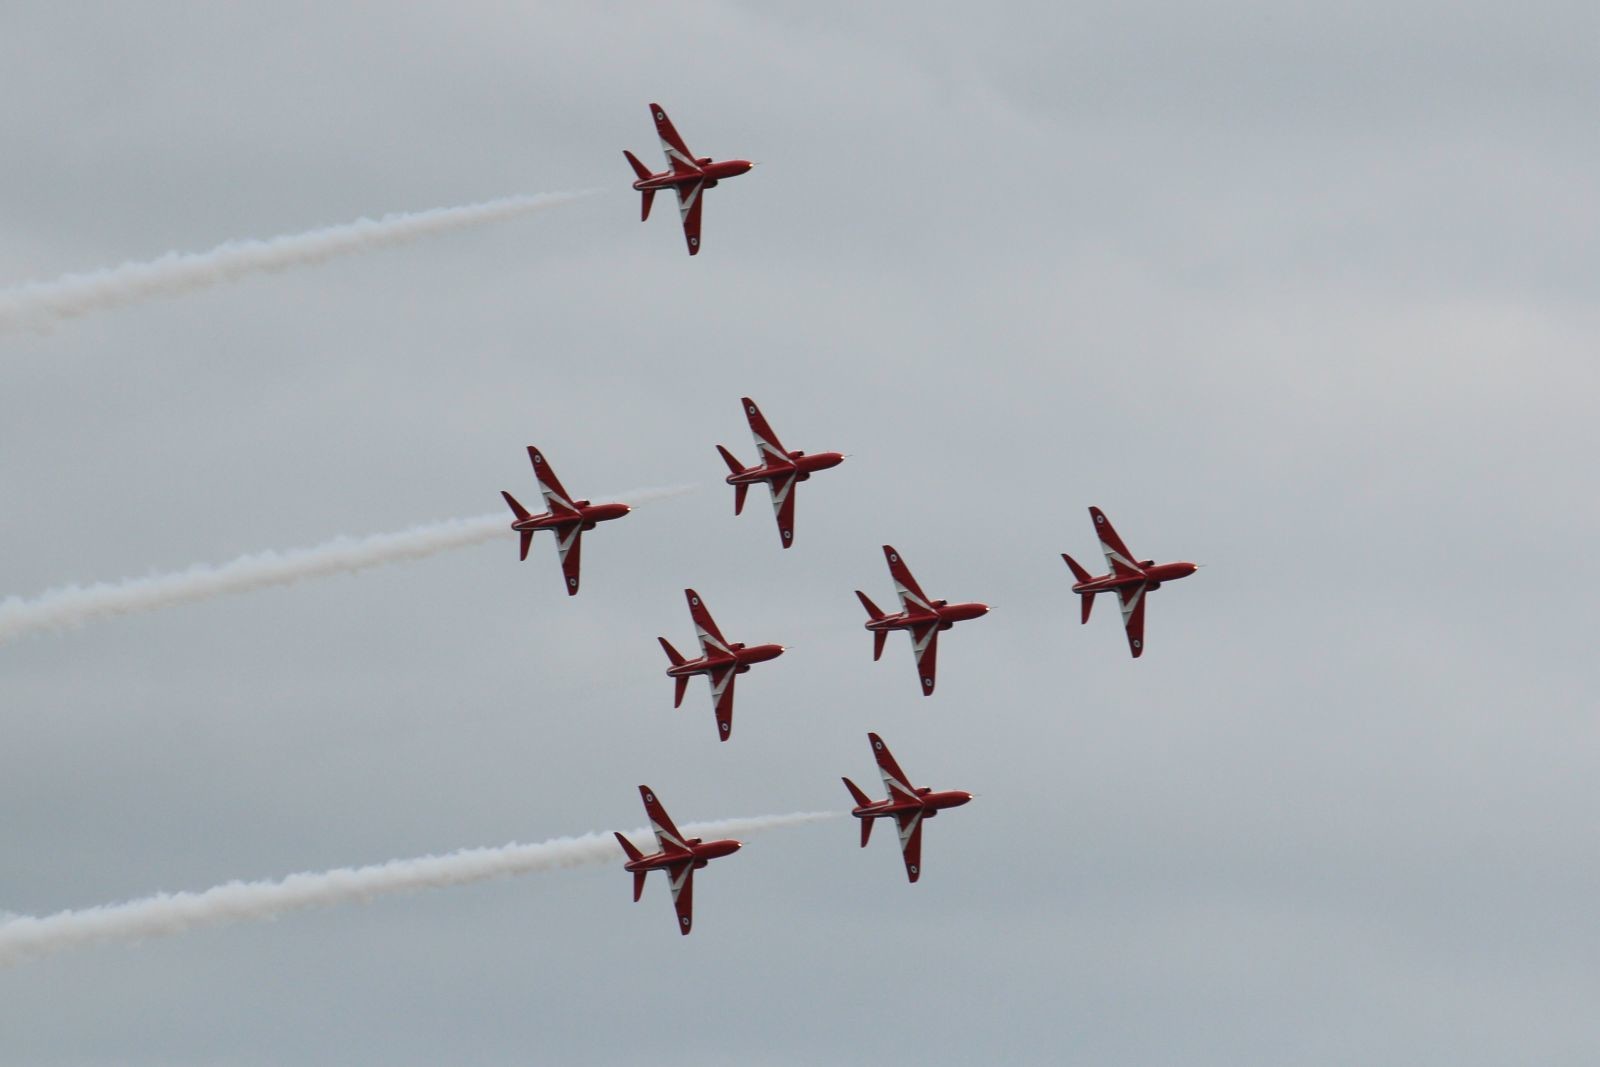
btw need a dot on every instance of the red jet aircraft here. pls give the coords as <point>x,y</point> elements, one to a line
<point>778,468</point>
<point>1129,580</point>
<point>687,174</point>
<point>906,804</point>
<point>567,517</point>
<point>720,660</point>
<point>923,617</point>
<point>680,857</point>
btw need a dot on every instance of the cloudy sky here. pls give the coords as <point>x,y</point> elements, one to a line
<point>1303,292</point>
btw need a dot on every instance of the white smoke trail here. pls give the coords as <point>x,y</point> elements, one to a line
<point>28,938</point>
<point>39,304</point>
<point>75,605</point>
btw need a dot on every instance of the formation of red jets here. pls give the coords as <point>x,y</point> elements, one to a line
<point>722,661</point>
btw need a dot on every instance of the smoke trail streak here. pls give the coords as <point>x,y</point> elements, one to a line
<point>74,605</point>
<point>166,914</point>
<point>40,304</point>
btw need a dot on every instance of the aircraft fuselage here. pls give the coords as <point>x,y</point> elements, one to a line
<point>944,613</point>
<point>742,657</point>
<point>711,172</point>
<point>701,852</point>
<point>588,516</point>
<point>800,462</point>
<point>1152,574</point>
<point>928,802</point>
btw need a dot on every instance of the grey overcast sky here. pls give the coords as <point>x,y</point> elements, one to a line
<point>1305,292</point>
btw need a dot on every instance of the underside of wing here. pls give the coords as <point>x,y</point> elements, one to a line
<point>911,842</point>
<point>681,876</point>
<point>912,598</point>
<point>705,628</point>
<point>783,507</point>
<point>768,448</point>
<point>1118,559</point>
<point>689,201</point>
<point>679,158</point>
<point>722,700</point>
<point>895,782</point>
<point>555,497</point>
<point>668,839</point>
<point>1133,598</point>
<point>570,543</point>
<point>925,644</point>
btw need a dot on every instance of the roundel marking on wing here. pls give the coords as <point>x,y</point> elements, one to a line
<point>695,601</point>
<point>751,409</point>
<point>651,797</point>
<point>877,744</point>
<point>913,868</point>
<point>893,558</point>
<point>695,241</point>
<point>726,726</point>
<point>1137,643</point>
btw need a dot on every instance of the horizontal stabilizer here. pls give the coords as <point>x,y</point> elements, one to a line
<point>879,638</point>
<point>644,205</point>
<point>872,609</point>
<point>861,799</point>
<point>739,492</point>
<point>516,509</point>
<point>638,168</point>
<point>679,691</point>
<point>638,885</point>
<point>734,466</point>
<point>1077,571</point>
<point>866,831</point>
<point>1088,605</point>
<point>672,654</point>
<point>628,850</point>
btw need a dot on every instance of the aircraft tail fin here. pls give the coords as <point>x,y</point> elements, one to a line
<point>1077,571</point>
<point>638,168</point>
<point>672,654</point>
<point>872,609</point>
<point>861,799</point>
<point>516,509</point>
<point>628,850</point>
<point>733,465</point>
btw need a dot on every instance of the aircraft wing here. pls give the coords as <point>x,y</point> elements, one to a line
<point>570,544</point>
<point>925,645</point>
<point>681,877</point>
<point>679,158</point>
<point>555,497</point>
<point>1118,558</point>
<point>895,782</point>
<point>667,836</point>
<point>910,824</point>
<point>711,639</point>
<point>912,598</point>
<point>768,447</point>
<point>722,699</point>
<point>783,507</point>
<point>689,200</point>
<point>1133,598</point>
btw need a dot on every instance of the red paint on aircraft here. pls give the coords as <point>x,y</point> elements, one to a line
<point>679,856</point>
<point>567,518</point>
<point>1131,580</point>
<point>687,174</point>
<point>906,804</point>
<point>779,468</point>
<point>921,616</point>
